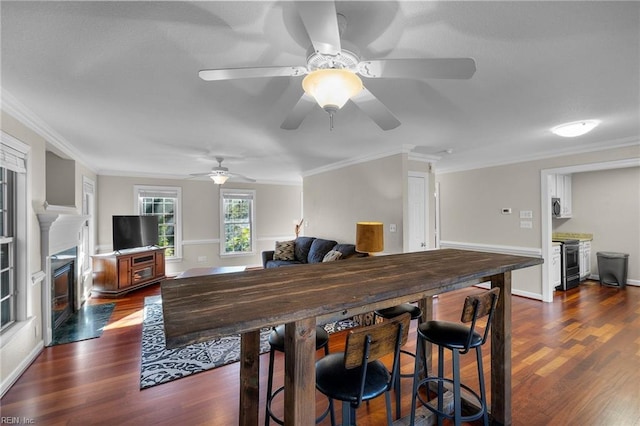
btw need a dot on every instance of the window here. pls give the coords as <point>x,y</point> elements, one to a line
<point>13,231</point>
<point>164,202</point>
<point>237,212</point>
<point>7,244</point>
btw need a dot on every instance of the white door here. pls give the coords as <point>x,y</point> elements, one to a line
<point>417,212</point>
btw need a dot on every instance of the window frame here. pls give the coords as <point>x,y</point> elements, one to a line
<point>227,193</point>
<point>14,156</point>
<point>141,191</point>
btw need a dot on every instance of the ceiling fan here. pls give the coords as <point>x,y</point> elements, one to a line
<point>331,73</point>
<point>220,174</point>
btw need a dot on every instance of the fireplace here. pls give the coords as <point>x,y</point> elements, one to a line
<point>62,286</point>
<point>60,230</point>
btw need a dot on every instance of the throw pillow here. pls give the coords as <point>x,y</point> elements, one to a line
<point>331,256</point>
<point>284,251</point>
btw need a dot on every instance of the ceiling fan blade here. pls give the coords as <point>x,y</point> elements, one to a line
<point>241,177</point>
<point>200,174</point>
<point>301,109</point>
<point>320,19</point>
<point>234,73</point>
<point>370,105</point>
<point>454,68</point>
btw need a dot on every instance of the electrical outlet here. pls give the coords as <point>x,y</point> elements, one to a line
<point>506,210</point>
<point>202,259</point>
<point>392,227</point>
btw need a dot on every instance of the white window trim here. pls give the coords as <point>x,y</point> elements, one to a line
<point>165,191</point>
<point>244,192</point>
<point>20,151</point>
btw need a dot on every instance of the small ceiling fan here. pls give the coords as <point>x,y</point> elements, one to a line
<point>331,73</point>
<point>220,174</point>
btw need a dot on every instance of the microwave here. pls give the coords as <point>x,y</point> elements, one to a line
<point>556,208</point>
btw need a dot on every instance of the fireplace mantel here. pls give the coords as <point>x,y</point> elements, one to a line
<point>60,228</point>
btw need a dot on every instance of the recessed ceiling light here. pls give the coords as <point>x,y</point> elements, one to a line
<point>576,128</point>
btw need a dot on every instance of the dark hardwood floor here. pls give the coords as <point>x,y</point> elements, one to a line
<point>576,361</point>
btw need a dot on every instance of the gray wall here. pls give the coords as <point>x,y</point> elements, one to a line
<point>471,203</point>
<point>277,208</point>
<point>607,204</point>
<point>376,190</point>
<point>24,342</point>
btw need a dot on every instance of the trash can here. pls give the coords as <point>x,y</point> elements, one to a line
<point>612,268</point>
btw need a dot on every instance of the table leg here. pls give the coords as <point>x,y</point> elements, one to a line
<point>249,378</point>
<point>300,373</point>
<point>501,352</point>
<point>426,305</point>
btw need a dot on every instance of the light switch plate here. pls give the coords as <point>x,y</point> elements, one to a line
<point>526,214</point>
<point>526,224</point>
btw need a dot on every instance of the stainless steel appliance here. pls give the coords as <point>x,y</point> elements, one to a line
<point>570,255</point>
<point>556,207</point>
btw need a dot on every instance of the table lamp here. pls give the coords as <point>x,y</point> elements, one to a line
<point>369,237</point>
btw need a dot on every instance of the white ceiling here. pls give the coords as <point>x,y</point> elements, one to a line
<point>118,82</point>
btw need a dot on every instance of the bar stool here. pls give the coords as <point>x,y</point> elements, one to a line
<point>389,313</point>
<point>276,342</point>
<point>459,339</point>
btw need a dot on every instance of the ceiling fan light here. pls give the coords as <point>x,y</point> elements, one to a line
<point>575,128</point>
<point>219,179</point>
<point>332,87</point>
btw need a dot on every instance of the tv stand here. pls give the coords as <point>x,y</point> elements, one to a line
<point>118,273</point>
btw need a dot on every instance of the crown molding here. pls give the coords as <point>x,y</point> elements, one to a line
<point>12,106</point>
<point>600,146</point>
<point>121,173</point>
<point>404,149</point>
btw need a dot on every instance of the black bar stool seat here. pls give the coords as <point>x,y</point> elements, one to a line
<point>459,339</point>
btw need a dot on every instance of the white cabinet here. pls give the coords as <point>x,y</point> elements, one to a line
<point>556,266</point>
<point>560,187</point>
<point>584,259</point>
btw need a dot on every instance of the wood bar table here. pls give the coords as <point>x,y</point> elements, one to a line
<point>205,307</point>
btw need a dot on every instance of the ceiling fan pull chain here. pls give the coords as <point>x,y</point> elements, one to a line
<point>331,121</point>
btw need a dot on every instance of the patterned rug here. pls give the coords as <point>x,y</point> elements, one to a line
<point>160,365</point>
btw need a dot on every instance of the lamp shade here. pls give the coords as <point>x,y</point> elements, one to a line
<point>332,87</point>
<point>219,179</point>
<point>369,237</point>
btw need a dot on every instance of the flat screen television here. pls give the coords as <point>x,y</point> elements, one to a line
<point>134,231</point>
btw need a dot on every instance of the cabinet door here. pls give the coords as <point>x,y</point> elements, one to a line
<point>556,267</point>
<point>553,192</point>
<point>124,272</point>
<point>587,259</point>
<point>160,263</point>
<point>581,259</point>
<point>566,196</point>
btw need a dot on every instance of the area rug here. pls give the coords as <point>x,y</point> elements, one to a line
<point>87,323</point>
<point>160,365</point>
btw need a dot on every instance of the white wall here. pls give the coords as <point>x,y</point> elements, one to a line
<point>471,203</point>
<point>277,207</point>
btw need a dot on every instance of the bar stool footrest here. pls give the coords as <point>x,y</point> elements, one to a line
<point>446,413</point>
<point>320,418</point>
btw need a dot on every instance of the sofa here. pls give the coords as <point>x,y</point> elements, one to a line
<point>304,250</point>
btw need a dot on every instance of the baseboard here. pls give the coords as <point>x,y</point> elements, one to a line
<point>21,368</point>
<point>635,283</point>
<point>515,292</point>
<point>493,248</point>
